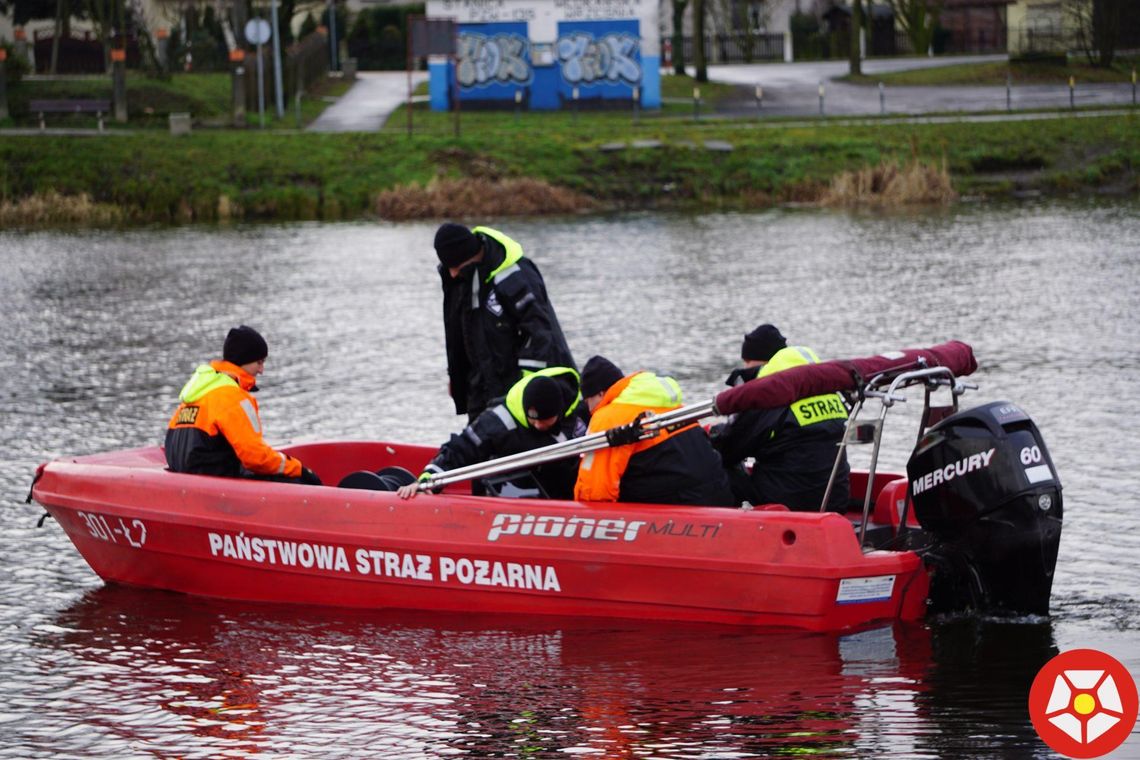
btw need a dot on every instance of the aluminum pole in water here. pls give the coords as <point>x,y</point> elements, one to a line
<point>650,426</point>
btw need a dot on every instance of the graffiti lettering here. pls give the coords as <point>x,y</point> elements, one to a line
<point>586,60</point>
<point>498,59</point>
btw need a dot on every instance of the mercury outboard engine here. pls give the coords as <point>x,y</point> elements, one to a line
<point>985,489</point>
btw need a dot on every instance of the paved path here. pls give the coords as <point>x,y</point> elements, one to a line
<point>792,89</point>
<point>368,103</point>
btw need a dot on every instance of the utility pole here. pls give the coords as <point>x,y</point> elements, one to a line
<point>278,88</point>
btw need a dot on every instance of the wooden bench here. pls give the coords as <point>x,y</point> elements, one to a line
<point>97,107</point>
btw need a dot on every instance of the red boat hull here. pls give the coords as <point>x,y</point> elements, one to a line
<point>137,524</point>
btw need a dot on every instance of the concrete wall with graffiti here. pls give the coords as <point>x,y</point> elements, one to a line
<point>545,54</point>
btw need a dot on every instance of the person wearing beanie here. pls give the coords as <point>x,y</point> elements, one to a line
<point>498,322</point>
<point>541,409</point>
<point>678,467</point>
<point>216,429</point>
<point>793,448</point>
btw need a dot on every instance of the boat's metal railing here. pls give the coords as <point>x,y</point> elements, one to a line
<point>886,388</point>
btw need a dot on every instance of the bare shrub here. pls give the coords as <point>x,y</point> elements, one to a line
<point>53,208</point>
<point>890,185</point>
<point>479,197</point>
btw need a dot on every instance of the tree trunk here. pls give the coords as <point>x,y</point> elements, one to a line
<point>699,61</point>
<point>1106,18</point>
<point>679,36</point>
<point>856,63</point>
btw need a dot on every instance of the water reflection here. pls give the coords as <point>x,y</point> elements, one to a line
<point>100,329</point>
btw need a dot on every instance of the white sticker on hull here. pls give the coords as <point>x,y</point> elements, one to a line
<point>877,588</point>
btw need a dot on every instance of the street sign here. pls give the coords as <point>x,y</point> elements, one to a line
<point>257,31</point>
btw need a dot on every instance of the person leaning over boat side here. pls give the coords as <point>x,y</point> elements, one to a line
<point>541,409</point>
<point>794,447</point>
<point>216,429</point>
<point>498,321</point>
<point>678,467</point>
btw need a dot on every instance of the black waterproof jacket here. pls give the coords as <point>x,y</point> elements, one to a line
<point>792,464</point>
<point>498,322</point>
<point>498,433</point>
<point>683,469</point>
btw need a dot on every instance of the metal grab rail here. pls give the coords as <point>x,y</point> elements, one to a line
<point>932,378</point>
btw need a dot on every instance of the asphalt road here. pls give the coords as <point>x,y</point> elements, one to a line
<point>792,89</point>
<point>788,89</point>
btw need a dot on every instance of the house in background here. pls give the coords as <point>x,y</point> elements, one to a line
<point>548,54</point>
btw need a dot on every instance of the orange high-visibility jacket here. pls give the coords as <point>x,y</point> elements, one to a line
<point>216,430</point>
<point>601,471</point>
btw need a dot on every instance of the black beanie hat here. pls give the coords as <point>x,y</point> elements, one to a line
<point>542,398</point>
<point>454,244</point>
<point>598,375</point>
<point>762,343</point>
<point>244,345</point>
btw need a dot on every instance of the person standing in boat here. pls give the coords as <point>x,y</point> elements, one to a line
<point>498,321</point>
<point>794,447</point>
<point>678,467</point>
<point>216,429</point>
<point>541,409</point>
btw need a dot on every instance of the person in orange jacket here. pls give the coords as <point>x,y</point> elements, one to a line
<point>216,429</point>
<point>678,467</point>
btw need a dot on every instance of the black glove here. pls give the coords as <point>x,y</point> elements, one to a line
<point>623,435</point>
<point>309,478</point>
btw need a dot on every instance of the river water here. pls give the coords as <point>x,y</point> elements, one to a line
<point>101,328</point>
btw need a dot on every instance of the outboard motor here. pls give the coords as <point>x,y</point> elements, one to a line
<point>985,489</point>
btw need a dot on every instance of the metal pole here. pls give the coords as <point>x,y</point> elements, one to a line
<point>260,88</point>
<point>821,97</point>
<point>759,98</point>
<point>1072,88</point>
<point>636,104</point>
<point>1008,93</point>
<point>518,103</point>
<point>1133,85</point>
<point>696,103</point>
<point>332,32</point>
<point>574,95</point>
<point>882,98</point>
<point>279,100</point>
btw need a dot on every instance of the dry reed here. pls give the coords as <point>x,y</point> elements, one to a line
<point>888,185</point>
<point>476,197</point>
<point>53,208</point>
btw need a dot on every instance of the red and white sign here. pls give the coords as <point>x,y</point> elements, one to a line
<point>1083,703</point>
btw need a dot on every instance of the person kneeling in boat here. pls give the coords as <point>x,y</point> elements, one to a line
<point>541,409</point>
<point>216,429</point>
<point>794,447</point>
<point>678,467</point>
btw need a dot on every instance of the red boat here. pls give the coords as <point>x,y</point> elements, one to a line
<point>972,541</point>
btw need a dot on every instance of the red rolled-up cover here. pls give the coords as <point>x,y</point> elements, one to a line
<point>790,385</point>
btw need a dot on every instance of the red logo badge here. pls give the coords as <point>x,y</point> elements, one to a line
<point>1083,703</point>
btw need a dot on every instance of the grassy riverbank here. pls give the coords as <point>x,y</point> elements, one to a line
<point>540,163</point>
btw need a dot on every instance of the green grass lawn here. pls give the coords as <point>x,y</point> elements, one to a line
<point>207,97</point>
<point>1027,72</point>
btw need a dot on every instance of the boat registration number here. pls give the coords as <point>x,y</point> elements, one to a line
<point>876,588</point>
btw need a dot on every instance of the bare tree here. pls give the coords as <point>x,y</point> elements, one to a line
<point>855,61</point>
<point>699,62</point>
<point>918,19</point>
<point>1096,25</point>
<point>679,36</point>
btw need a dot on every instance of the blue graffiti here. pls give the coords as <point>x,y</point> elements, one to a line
<point>586,60</point>
<point>500,58</point>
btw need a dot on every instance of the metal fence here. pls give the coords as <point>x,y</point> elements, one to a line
<point>739,47</point>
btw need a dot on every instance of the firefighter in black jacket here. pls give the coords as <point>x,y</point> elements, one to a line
<point>498,322</point>
<point>541,409</point>
<point>794,447</point>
